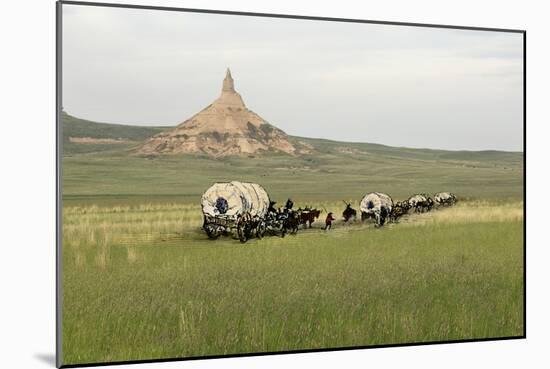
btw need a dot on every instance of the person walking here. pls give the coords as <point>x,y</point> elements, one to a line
<point>328,221</point>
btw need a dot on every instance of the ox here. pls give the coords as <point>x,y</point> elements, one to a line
<point>308,216</point>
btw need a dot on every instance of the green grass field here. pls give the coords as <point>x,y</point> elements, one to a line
<point>116,177</point>
<point>142,281</point>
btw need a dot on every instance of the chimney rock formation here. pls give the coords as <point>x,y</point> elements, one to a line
<point>225,127</point>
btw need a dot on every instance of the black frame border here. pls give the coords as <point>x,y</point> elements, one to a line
<point>59,157</point>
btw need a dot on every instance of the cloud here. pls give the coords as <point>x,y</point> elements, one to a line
<point>360,82</point>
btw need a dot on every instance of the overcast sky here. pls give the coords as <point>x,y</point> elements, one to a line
<point>394,85</point>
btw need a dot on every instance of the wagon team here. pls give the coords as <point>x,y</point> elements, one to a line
<point>244,209</point>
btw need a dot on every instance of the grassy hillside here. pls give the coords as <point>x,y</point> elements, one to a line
<point>364,149</point>
<point>75,127</point>
<point>333,171</point>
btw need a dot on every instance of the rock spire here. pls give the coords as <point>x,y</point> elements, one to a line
<point>225,127</point>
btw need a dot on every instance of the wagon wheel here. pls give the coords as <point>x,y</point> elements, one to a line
<point>260,229</point>
<point>241,232</point>
<point>212,232</point>
<point>243,228</point>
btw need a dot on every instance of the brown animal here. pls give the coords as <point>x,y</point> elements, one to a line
<point>399,209</point>
<point>308,216</point>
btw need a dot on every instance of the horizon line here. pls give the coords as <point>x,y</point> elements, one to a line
<point>312,138</point>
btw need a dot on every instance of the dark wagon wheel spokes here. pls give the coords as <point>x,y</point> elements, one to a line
<point>212,232</point>
<point>242,231</point>
<point>260,229</point>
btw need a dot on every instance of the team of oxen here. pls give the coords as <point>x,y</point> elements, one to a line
<point>381,208</point>
<point>245,211</point>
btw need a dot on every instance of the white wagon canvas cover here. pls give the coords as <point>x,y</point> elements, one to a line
<point>415,199</point>
<point>241,197</point>
<point>376,200</point>
<point>442,197</point>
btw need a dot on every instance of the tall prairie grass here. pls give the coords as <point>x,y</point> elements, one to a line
<point>144,282</point>
<point>471,212</point>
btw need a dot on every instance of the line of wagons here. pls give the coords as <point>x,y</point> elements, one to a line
<point>244,210</point>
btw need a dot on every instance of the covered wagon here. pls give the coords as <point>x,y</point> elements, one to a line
<point>235,208</point>
<point>444,198</point>
<point>420,202</point>
<point>376,205</point>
